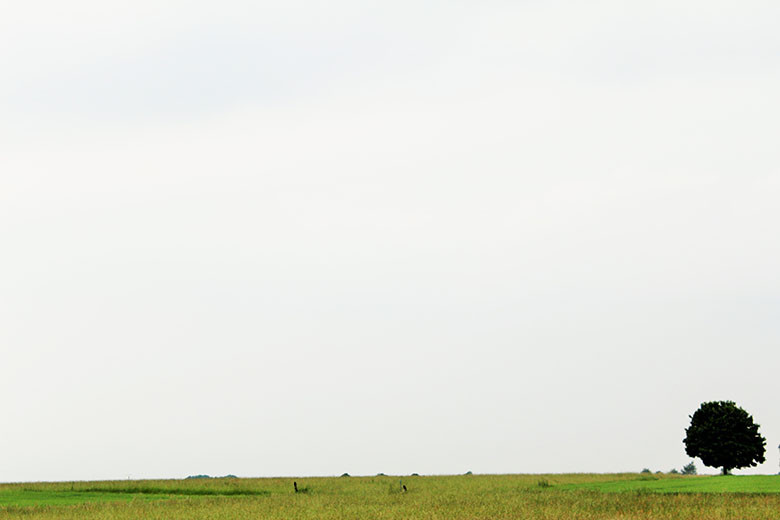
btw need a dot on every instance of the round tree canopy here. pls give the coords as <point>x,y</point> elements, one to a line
<point>724,435</point>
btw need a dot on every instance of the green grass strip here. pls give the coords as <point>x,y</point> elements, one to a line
<point>751,484</point>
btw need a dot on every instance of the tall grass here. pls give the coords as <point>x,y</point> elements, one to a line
<point>471,497</point>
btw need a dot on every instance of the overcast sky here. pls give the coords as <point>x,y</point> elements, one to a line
<point>308,238</point>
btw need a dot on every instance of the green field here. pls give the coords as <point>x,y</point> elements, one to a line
<point>573,496</point>
<point>754,484</point>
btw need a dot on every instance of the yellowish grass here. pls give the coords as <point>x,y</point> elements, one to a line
<point>451,497</point>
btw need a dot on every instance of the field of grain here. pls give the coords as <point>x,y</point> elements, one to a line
<point>575,496</point>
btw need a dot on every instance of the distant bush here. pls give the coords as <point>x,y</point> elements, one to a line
<point>689,469</point>
<point>415,474</point>
<point>468,473</point>
<point>645,470</point>
<point>674,471</point>
<point>345,474</point>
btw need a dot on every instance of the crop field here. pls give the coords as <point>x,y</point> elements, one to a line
<point>574,496</point>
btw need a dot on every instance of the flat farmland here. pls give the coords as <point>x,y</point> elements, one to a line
<point>574,496</point>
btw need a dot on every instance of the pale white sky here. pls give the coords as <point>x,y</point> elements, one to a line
<point>308,238</point>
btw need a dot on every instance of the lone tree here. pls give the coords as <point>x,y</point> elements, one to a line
<point>724,435</point>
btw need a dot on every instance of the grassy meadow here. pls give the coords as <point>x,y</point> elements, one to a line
<point>575,496</point>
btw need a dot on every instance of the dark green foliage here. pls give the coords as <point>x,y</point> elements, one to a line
<point>689,469</point>
<point>645,470</point>
<point>724,435</point>
<point>673,471</point>
<point>345,474</point>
